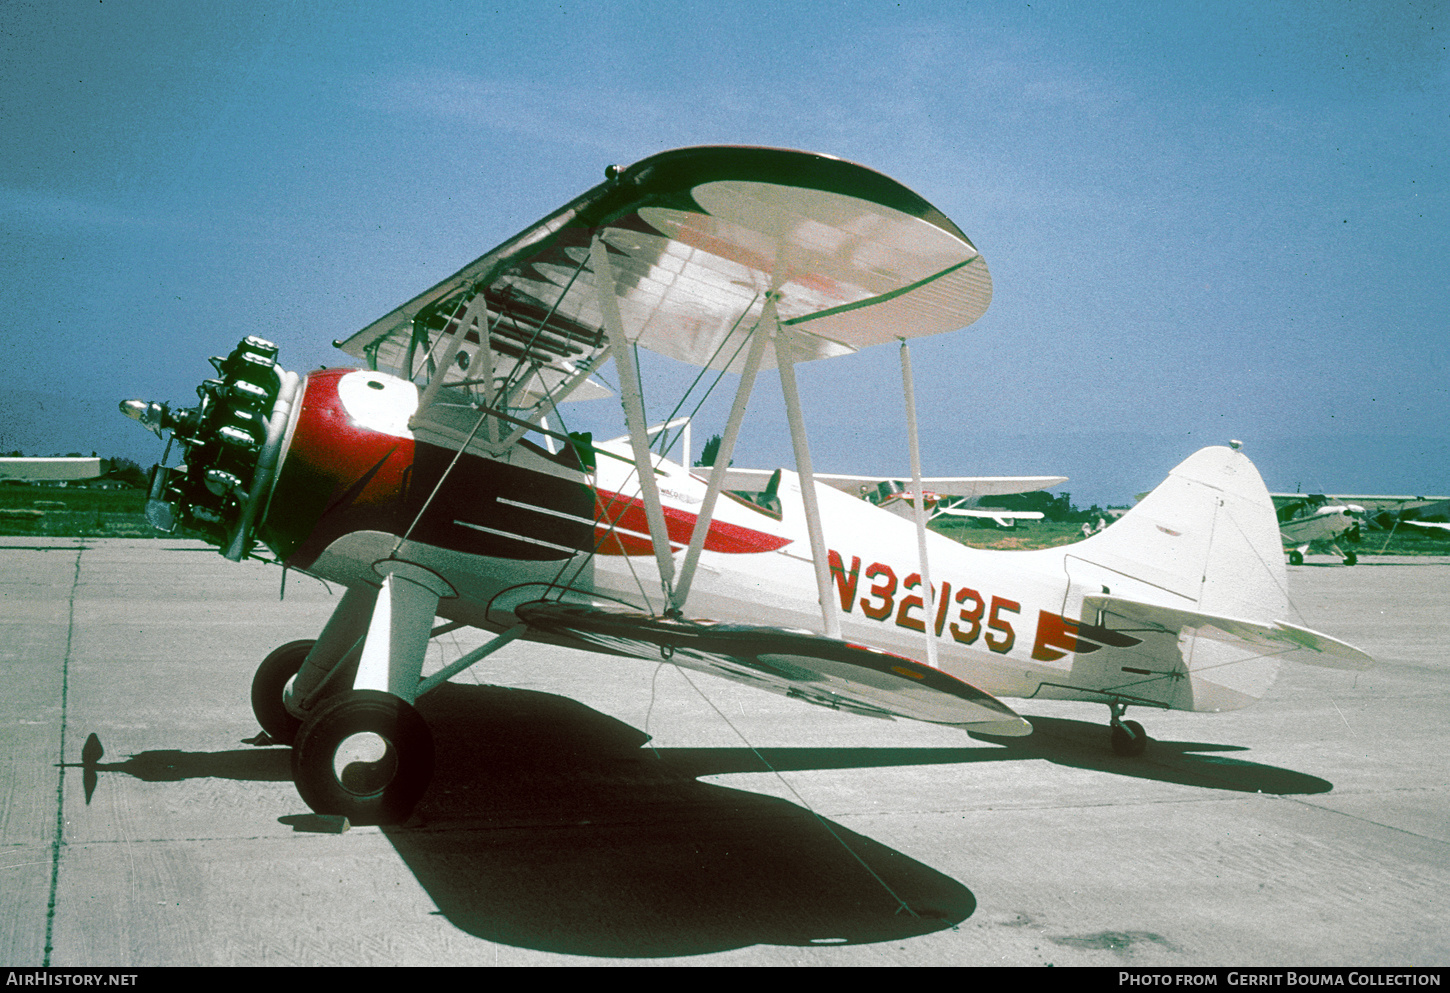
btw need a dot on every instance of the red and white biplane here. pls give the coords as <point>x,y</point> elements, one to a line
<point>435,483</point>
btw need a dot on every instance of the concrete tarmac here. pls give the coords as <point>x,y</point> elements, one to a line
<point>593,810</point>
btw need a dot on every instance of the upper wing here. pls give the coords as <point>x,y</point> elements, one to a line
<point>807,666</point>
<point>753,480</point>
<point>697,238</point>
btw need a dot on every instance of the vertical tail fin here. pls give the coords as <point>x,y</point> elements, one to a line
<point>1205,540</point>
<point>1207,536</point>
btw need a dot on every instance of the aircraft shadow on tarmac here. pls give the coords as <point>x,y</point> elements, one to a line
<point>552,826</point>
<point>549,825</point>
<point>1084,745</point>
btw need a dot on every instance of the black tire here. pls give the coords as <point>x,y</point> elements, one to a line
<point>1350,558</point>
<point>267,686</point>
<point>1129,739</point>
<point>1296,558</point>
<point>380,790</point>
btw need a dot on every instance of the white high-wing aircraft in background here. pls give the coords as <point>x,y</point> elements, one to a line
<point>897,496</point>
<point>50,469</point>
<point>428,485</point>
<point>1314,522</point>
<point>1317,521</point>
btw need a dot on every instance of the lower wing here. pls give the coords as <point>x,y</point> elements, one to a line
<point>810,667</point>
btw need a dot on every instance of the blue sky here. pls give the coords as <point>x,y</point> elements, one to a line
<point>1203,221</point>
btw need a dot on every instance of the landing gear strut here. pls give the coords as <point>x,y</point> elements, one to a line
<point>345,702</point>
<point>1128,737</point>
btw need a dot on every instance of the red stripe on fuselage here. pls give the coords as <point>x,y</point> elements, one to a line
<point>616,514</point>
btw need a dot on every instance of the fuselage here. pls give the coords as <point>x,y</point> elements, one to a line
<point>1321,524</point>
<point>505,522</point>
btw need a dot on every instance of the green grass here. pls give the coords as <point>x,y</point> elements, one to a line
<point>1037,534</point>
<point>71,512</point>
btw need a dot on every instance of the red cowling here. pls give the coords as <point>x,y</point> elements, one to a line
<point>335,476</point>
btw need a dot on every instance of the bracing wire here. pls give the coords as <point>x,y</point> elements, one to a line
<point>483,415</point>
<point>706,395</point>
<point>704,368</point>
<point>666,442</point>
<point>651,709</point>
<point>1283,588</point>
<point>900,903</point>
<point>605,514</point>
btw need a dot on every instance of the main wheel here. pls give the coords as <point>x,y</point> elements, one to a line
<point>364,754</point>
<point>1350,558</point>
<point>1129,739</point>
<point>268,684</point>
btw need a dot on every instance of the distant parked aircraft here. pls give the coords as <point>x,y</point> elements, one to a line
<point>1319,521</point>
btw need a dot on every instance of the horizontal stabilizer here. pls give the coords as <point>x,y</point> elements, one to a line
<point>799,664</point>
<point>1328,652</point>
<point>1331,652</point>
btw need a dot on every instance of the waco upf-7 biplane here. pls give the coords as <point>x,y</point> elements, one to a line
<point>437,483</point>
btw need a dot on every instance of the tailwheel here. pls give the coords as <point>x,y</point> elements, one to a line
<point>364,754</point>
<point>1129,739</point>
<point>267,686</point>
<point>1296,557</point>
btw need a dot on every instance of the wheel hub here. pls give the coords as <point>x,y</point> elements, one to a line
<point>365,764</point>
